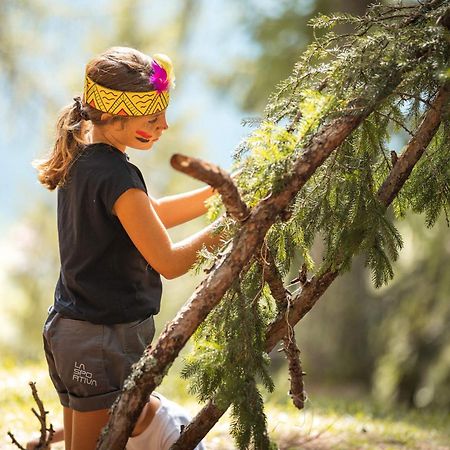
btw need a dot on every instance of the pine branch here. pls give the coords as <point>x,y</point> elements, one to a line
<point>316,286</point>
<point>397,177</point>
<point>416,146</point>
<point>150,370</point>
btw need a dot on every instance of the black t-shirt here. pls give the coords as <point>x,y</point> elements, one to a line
<point>103,279</point>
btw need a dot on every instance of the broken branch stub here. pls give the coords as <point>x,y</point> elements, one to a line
<point>217,179</point>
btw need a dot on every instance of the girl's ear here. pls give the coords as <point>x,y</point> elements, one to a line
<point>105,116</point>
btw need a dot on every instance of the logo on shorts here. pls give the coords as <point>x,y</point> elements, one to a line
<point>81,375</point>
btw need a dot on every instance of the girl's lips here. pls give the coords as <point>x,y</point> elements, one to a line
<point>143,134</point>
<point>144,141</point>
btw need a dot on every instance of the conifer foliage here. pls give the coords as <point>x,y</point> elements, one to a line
<point>356,90</point>
<point>405,46</point>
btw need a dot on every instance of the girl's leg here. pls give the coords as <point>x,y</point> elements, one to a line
<point>68,414</point>
<point>86,427</point>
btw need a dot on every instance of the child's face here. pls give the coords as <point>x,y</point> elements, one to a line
<point>140,132</point>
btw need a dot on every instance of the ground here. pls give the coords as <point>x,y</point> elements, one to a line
<point>326,423</point>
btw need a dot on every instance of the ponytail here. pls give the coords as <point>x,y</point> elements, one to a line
<point>71,129</point>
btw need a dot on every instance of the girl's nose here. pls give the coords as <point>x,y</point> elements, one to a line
<point>163,123</point>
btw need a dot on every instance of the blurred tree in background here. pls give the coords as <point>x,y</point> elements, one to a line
<point>411,338</point>
<point>280,33</point>
<point>33,267</point>
<point>15,48</point>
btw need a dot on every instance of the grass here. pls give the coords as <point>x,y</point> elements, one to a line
<point>326,423</point>
<point>323,427</point>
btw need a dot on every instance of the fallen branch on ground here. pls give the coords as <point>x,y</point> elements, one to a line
<point>46,436</point>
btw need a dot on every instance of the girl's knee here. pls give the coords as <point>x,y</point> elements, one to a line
<point>86,428</point>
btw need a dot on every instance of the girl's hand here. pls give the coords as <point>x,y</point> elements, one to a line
<point>31,445</point>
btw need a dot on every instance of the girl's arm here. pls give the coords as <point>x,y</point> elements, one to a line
<point>148,233</point>
<point>180,208</point>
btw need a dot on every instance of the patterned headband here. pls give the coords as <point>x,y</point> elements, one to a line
<point>124,103</point>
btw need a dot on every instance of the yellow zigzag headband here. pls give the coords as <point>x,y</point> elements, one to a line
<point>123,103</point>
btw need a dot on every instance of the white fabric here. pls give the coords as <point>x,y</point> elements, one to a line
<point>164,429</point>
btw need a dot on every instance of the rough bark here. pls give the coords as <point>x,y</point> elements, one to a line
<point>416,147</point>
<point>282,297</point>
<point>297,390</point>
<point>314,288</point>
<point>218,179</point>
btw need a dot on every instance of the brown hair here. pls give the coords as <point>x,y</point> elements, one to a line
<point>120,68</point>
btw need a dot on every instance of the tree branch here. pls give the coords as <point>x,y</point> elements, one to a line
<point>297,391</point>
<point>415,148</point>
<point>314,289</point>
<point>218,179</point>
<point>273,278</point>
<point>152,367</point>
<point>14,441</point>
<point>283,299</point>
<point>44,439</point>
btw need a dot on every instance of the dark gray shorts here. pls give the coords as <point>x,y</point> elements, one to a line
<point>89,363</point>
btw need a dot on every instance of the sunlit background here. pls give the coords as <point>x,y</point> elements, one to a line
<point>390,345</point>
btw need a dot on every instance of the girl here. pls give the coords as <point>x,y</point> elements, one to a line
<point>113,238</point>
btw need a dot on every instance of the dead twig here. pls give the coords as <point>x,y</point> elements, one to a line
<point>46,436</point>
<point>297,391</point>
<point>14,441</point>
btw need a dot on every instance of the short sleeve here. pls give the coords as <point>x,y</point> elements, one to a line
<point>117,179</point>
<point>175,417</point>
<point>170,438</point>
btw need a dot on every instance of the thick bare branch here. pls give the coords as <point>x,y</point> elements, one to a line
<point>215,177</point>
